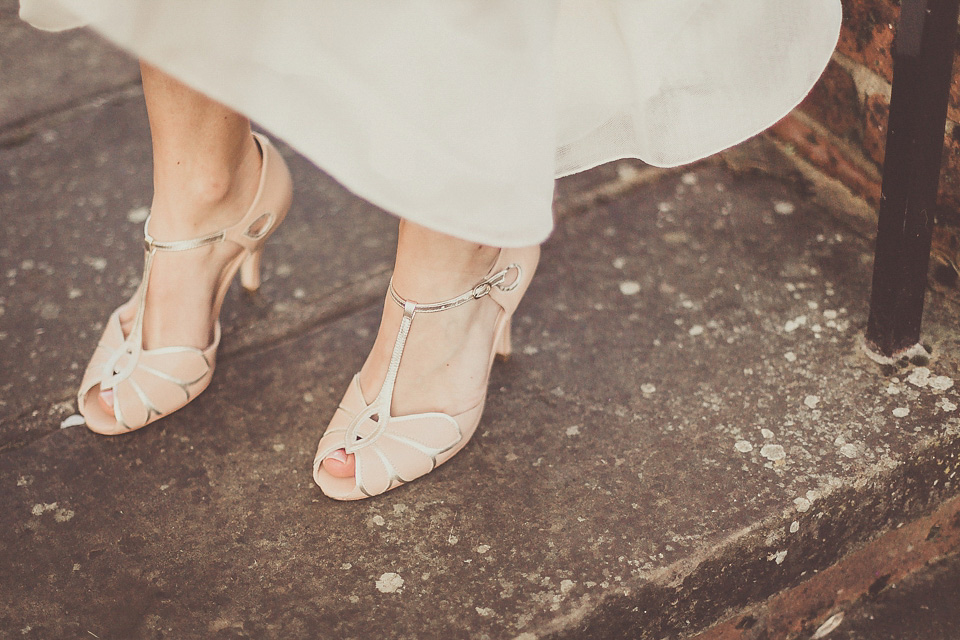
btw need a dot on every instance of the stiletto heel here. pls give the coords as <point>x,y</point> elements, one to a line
<point>505,348</point>
<point>391,450</point>
<point>147,384</point>
<point>250,271</point>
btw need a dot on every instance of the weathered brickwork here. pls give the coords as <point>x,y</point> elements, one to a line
<point>841,126</point>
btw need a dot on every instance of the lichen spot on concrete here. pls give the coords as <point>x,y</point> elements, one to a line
<point>811,401</point>
<point>629,288</point>
<point>848,450</point>
<point>794,526</point>
<point>648,388</point>
<point>792,325</point>
<point>566,586</point>
<point>940,383</point>
<point>778,557</point>
<point>802,504</point>
<point>743,446</point>
<point>901,412</point>
<point>689,179</point>
<point>773,452</point>
<point>279,447</point>
<point>573,431</point>
<point>919,377</point>
<point>482,549</point>
<point>62,515</point>
<point>766,433</point>
<point>790,356</point>
<point>389,583</point>
<point>138,215</point>
<point>783,207</point>
<point>38,509</point>
<point>378,520</point>
<point>98,264</point>
<point>944,404</point>
<point>626,172</point>
<point>696,330</point>
<point>24,481</point>
<point>486,612</point>
<point>619,263</point>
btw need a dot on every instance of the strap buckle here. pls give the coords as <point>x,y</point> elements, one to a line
<point>497,280</point>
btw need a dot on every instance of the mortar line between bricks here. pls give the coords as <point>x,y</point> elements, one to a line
<point>360,304</point>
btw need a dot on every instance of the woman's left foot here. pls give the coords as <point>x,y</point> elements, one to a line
<point>445,358</point>
<point>442,375</point>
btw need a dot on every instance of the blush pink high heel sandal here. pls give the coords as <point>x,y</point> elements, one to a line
<point>148,384</point>
<point>392,450</point>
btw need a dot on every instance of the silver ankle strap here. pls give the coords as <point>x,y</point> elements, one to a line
<point>482,288</point>
<point>151,244</point>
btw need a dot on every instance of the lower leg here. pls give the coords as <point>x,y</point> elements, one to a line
<point>444,365</point>
<point>205,162</point>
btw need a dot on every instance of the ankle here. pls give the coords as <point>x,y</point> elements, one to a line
<point>202,197</point>
<point>432,266</point>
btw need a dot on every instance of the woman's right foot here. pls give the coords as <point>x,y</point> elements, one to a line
<point>182,284</point>
<point>151,361</point>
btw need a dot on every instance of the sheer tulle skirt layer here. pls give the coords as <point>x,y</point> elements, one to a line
<point>458,114</point>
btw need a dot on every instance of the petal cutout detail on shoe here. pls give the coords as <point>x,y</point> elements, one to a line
<point>389,451</point>
<point>147,384</point>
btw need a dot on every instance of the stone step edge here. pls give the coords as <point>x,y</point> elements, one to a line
<point>733,582</point>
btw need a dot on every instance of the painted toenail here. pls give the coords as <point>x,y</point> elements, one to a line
<point>339,455</point>
<point>107,396</point>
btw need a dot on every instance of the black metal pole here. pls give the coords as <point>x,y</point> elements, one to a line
<point>922,64</point>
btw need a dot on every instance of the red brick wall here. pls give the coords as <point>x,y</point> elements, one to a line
<point>841,126</point>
